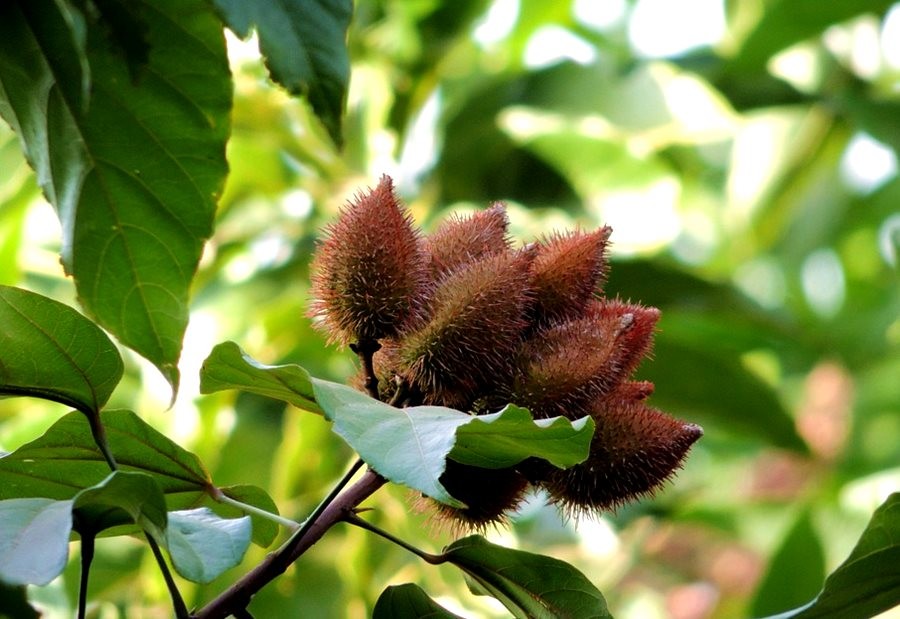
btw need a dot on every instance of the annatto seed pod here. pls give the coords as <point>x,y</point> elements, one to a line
<point>567,366</point>
<point>477,317</point>
<point>369,274</point>
<point>462,240</point>
<point>635,449</point>
<point>568,271</point>
<point>490,496</point>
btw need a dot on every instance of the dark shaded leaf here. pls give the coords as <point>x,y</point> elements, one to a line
<point>796,570</point>
<point>34,540</point>
<point>49,350</point>
<point>203,545</point>
<point>529,585</point>
<point>14,603</point>
<point>136,204</point>
<point>121,498</point>
<point>408,601</point>
<point>304,43</point>
<point>868,582</point>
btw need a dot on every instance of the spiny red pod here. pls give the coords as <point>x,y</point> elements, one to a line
<point>369,274</point>
<point>463,240</point>
<point>570,364</point>
<point>568,270</point>
<point>634,451</point>
<point>464,320</point>
<point>476,320</point>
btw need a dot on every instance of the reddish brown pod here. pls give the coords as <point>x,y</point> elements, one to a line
<point>369,273</point>
<point>635,449</point>
<point>475,326</point>
<point>460,241</point>
<point>567,272</point>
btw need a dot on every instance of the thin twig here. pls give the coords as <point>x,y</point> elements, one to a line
<point>354,519</point>
<point>181,611</point>
<point>332,510</point>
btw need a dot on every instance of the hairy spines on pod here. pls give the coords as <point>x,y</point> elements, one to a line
<point>476,321</point>
<point>462,240</point>
<point>566,366</point>
<point>369,274</point>
<point>634,451</point>
<point>567,272</point>
<point>490,496</point>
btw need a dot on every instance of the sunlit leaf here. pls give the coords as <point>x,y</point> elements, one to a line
<point>49,350</point>
<point>408,601</point>
<point>228,367</point>
<point>203,545</point>
<point>529,585</point>
<point>304,43</point>
<point>136,203</point>
<point>65,460</point>
<point>790,21</point>
<point>34,540</point>
<point>868,582</point>
<point>410,445</point>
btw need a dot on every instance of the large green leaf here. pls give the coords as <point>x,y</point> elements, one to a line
<point>34,540</point>
<point>264,530</point>
<point>65,460</point>
<point>49,350</point>
<point>135,176</point>
<point>408,601</point>
<point>868,582</point>
<point>304,42</point>
<point>796,570</point>
<point>409,445</point>
<point>203,545</point>
<point>531,586</point>
<point>790,21</point>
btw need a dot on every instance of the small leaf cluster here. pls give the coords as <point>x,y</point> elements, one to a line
<point>461,318</point>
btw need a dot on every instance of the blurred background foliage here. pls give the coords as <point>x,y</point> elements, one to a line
<point>745,153</point>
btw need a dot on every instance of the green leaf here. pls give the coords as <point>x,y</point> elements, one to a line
<point>506,438</point>
<point>203,545</point>
<point>14,603</point>
<point>790,21</point>
<point>529,585</point>
<point>229,367</point>
<point>868,582</point>
<point>134,179</point>
<point>34,540</point>
<point>65,460</point>
<point>796,570</point>
<point>408,601</point>
<point>264,530</point>
<point>735,399</point>
<point>304,42</point>
<point>121,498</point>
<point>409,445</point>
<point>49,350</point>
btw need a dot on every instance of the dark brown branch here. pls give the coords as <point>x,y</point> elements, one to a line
<point>237,597</point>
